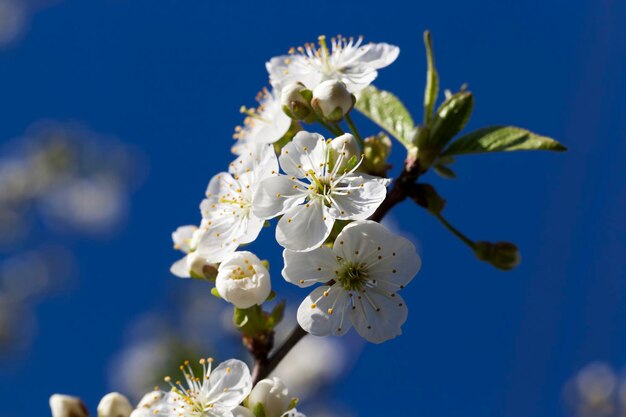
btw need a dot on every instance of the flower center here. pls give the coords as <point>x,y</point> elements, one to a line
<point>352,276</point>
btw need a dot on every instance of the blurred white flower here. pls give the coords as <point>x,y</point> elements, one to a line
<point>265,124</point>
<point>67,406</point>
<point>114,404</point>
<point>214,393</point>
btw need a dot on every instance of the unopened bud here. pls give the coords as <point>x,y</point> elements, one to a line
<point>376,151</point>
<point>242,280</point>
<point>272,395</point>
<point>114,404</point>
<point>344,150</point>
<point>296,101</point>
<point>67,406</point>
<point>332,100</point>
<point>502,255</point>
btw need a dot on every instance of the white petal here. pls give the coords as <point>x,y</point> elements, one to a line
<point>289,69</point>
<point>230,383</point>
<point>180,268</point>
<point>304,227</point>
<point>362,201</point>
<point>395,264</point>
<point>306,152</point>
<point>307,268</point>
<point>259,158</point>
<point>252,228</point>
<point>379,55</point>
<point>325,311</point>
<point>182,237</point>
<point>293,413</point>
<point>378,316</point>
<point>240,411</point>
<point>276,195</point>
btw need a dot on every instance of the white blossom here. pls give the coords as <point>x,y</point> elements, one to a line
<point>243,280</point>
<point>361,275</point>
<point>272,394</point>
<point>114,404</point>
<point>213,394</point>
<point>228,220</point>
<point>194,262</point>
<point>265,124</point>
<point>348,61</point>
<point>316,190</point>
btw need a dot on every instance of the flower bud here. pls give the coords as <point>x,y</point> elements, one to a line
<point>295,100</point>
<point>344,150</point>
<point>332,100</point>
<point>376,151</point>
<point>243,280</point>
<point>502,255</point>
<point>114,404</point>
<point>67,406</point>
<point>272,395</point>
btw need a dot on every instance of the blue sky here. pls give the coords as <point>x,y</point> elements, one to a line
<point>170,76</point>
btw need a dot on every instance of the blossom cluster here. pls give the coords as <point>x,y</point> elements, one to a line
<point>318,188</point>
<point>225,391</point>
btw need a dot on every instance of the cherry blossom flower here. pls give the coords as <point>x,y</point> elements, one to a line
<point>213,394</point>
<point>265,124</point>
<point>348,61</point>
<point>361,275</point>
<point>195,262</point>
<point>320,186</point>
<point>228,220</point>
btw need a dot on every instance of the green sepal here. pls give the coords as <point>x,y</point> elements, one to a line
<point>250,321</point>
<point>258,410</point>
<point>271,296</point>
<point>215,293</point>
<point>293,403</point>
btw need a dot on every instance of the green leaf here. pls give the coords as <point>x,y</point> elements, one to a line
<point>276,315</point>
<point>388,112</point>
<point>502,139</point>
<point>451,118</point>
<point>444,171</point>
<point>432,80</point>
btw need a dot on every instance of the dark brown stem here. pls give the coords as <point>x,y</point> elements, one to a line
<point>403,186</point>
<point>262,370</point>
